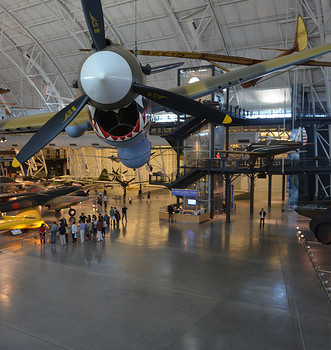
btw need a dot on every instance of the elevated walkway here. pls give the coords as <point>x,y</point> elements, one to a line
<point>223,166</point>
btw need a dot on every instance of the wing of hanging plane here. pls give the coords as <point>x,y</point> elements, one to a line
<point>120,107</point>
<point>300,44</point>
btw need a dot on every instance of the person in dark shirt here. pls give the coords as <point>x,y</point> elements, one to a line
<point>82,218</point>
<point>171,213</point>
<point>262,214</point>
<point>124,210</point>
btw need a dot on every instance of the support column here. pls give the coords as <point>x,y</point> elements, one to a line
<point>283,187</point>
<point>211,177</point>
<point>227,198</point>
<point>251,195</point>
<point>179,150</point>
<point>269,190</point>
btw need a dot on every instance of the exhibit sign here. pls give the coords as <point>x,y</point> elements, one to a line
<point>184,193</point>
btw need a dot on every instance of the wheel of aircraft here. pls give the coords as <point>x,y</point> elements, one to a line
<point>72,212</point>
<point>323,233</point>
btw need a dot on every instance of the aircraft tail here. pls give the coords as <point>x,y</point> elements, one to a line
<point>301,35</point>
<point>301,136</point>
<point>104,176</point>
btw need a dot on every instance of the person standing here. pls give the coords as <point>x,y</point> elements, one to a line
<point>124,210</point>
<point>82,218</point>
<point>106,217</point>
<point>148,196</point>
<point>262,214</point>
<point>62,231</point>
<point>117,216</point>
<point>89,230</point>
<point>82,232</point>
<point>104,226</point>
<point>171,213</point>
<point>42,233</point>
<point>105,199</point>
<point>99,231</point>
<point>74,231</point>
<point>54,229</point>
<point>112,216</point>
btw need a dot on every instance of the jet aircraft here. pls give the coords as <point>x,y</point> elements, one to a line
<point>112,81</point>
<point>271,147</point>
<point>55,198</point>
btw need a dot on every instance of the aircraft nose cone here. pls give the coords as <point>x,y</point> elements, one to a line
<point>106,77</point>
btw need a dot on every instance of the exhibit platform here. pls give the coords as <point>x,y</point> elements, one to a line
<point>151,284</point>
<point>185,217</point>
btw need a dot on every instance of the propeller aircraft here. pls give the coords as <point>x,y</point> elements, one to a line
<point>112,82</point>
<point>300,44</point>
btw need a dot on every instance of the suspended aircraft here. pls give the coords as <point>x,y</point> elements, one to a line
<point>55,198</point>
<point>112,82</point>
<point>300,44</point>
<point>269,148</point>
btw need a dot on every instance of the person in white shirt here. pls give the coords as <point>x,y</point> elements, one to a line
<point>105,199</point>
<point>74,231</point>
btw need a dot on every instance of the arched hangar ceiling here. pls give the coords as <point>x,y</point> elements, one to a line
<point>40,39</point>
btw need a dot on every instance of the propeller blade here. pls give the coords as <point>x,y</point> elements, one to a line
<point>50,130</point>
<point>159,69</point>
<point>181,104</point>
<point>94,19</point>
<point>131,180</point>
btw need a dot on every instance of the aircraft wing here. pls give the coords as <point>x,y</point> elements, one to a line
<point>194,90</point>
<point>239,76</point>
<point>34,122</point>
<point>237,152</point>
<point>65,201</point>
<point>13,194</point>
<point>210,57</point>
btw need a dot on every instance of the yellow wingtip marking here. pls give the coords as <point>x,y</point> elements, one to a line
<point>227,120</point>
<point>15,163</point>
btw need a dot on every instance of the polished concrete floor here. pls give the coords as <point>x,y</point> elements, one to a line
<point>157,285</point>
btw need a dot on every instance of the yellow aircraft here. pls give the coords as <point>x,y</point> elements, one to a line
<point>27,219</point>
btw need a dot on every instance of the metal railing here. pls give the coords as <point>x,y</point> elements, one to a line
<point>17,242</point>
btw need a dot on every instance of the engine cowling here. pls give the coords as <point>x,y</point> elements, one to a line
<point>126,129</point>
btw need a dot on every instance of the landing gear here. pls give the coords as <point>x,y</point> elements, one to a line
<point>72,212</point>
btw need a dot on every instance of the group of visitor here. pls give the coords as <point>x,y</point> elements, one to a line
<point>88,228</point>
